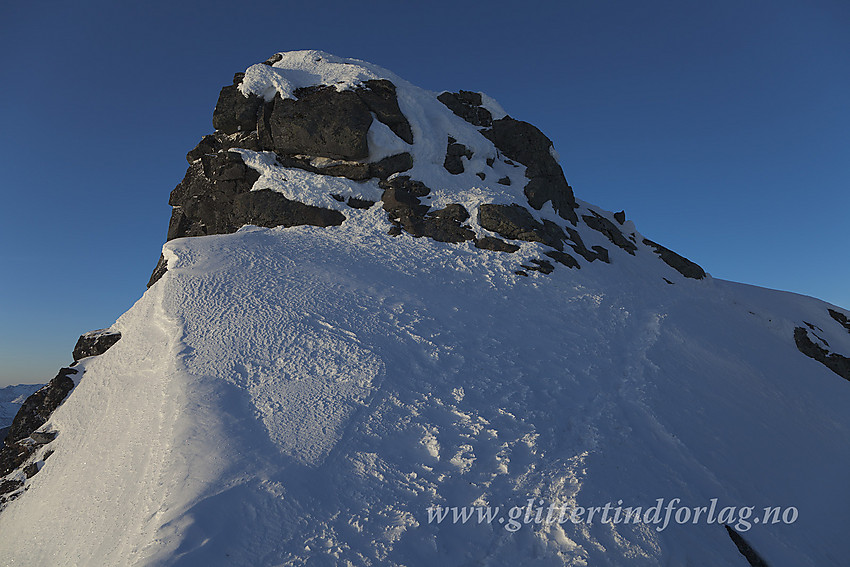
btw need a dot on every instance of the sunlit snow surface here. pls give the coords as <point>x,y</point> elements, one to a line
<point>301,396</point>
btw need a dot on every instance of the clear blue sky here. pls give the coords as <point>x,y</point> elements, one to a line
<point>722,128</point>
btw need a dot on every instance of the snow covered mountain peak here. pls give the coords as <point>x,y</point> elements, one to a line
<point>307,138</point>
<point>383,331</point>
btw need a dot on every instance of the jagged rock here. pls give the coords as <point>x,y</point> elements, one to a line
<point>321,122</point>
<point>750,554</point>
<point>526,144</point>
<point>215,197</point>
<point>380,97</point>
<point>834,361</point>
<point>273,59</point>
<point>620,217</point>
<point>159,270</point>
<point>496,244</point>
<point>515,222</point>
<point>389,165</point>
<point>467,105</point>
<point>454,152</point>
<point>401,201</point>
<point>7,486</point>
<point>577,244</point>
<point>356,203</point>
<point>234,111</point>
<point>504,181</point>
<point>680,264</point>
<point>842,319</point>
<point>43,437</point>
<point>563,258</point>
<point>37,408</point>
<point>95,343</point>
<point>540,266</point>
<point>611,232</point>
<point>31,470</point>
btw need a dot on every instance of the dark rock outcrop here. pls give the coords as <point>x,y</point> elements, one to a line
<point>38,407</point>
<point>234,112</point>
<point>215,197</point>
<point>837,363</point>
<point>401,201</point>
<point>610,230</point>
<point>842,319</point>
<point>379,96</point>
<point>515,222</point>
<point>678,263</point>
<point>496,244</point>
<point>526,144</point>
<point>467,105</point>
<point>95,343</point>
<point>454,152</point>
<point>752,557</point>
<point>22,440</point>
<point>563,258</point>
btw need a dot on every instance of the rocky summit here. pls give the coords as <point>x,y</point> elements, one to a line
<point>383,330</point>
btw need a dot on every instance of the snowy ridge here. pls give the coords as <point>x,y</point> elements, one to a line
<point>301,396</point>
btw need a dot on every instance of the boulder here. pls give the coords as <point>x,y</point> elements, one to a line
<point>235,112</point>
<point>522,142</point>
<point>467,105</point>
<point>454,151</point>
<point>515,222</point>
<point>611,232</point>
<point>95,343</point>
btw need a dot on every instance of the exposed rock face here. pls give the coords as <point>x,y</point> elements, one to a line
<point>95,343</point>
<point>401,201</point>
<point>467,105</point>
<point>678,263</point>
<point>515,222</point>
<point>22,441</point>
<point>327,131</point>
<point>837,363</point>
<point>842,319</point>
<point>522,142</point>
<point>750,554</point>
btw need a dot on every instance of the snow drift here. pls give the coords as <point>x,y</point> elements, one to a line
<point>293,390</point>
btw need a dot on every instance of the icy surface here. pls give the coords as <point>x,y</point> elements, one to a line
<point>301,396</point>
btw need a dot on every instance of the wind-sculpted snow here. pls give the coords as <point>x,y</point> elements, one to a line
<point>302,396</point>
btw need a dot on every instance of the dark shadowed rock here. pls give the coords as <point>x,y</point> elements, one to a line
<point>401,201</point>
<point>526,144</point>
<point>611,232</point>
<point>215,197</point>
<point>234,112</point>
<point>389,165</point>
<point>515,222</point>
<point>379,95</point>
<point>496,244</point>
<point>750,554</point>
<point>540,266</point>
<point>356,203</point>
<point>159,270</point>
<point>834,361</point>
<point>563,258</point>
<point>95,343</point>
<point>454,151</point>
<point>577,244</point>
<point>467,105</point>
<point>842,319</point>
<point>680,264</point>
<point>320,122</point>
<point>35,410</point>
<point>620,217</point>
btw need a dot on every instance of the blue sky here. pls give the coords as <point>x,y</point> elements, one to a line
<point>722,128</point>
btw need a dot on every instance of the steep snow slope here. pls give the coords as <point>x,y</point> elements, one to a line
<point>303,395</point>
